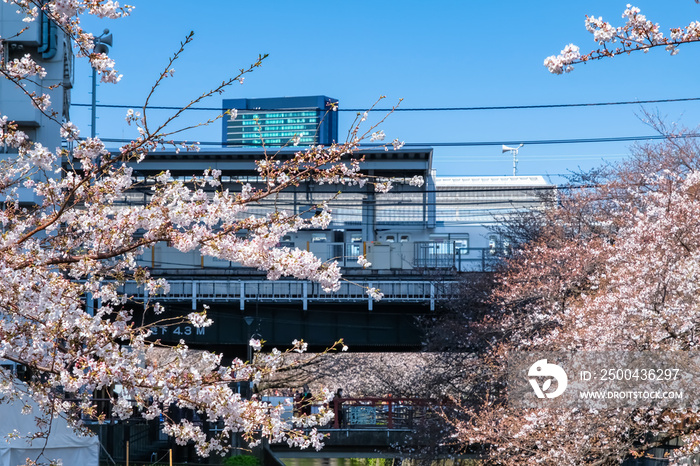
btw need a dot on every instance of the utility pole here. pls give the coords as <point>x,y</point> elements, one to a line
<point>102,44</point>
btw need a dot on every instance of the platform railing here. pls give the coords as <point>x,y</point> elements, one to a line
<point>385,257</point>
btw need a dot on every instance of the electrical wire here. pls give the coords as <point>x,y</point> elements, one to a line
<point>532,142</point>
<point>427,109</point>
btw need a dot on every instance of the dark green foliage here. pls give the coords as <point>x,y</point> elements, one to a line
<point>242,460</point>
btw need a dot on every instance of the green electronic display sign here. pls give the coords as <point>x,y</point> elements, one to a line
<point>274,128</point>
<point>280,121</point>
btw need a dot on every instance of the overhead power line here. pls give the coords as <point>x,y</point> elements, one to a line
<point>536,142</point>
<point>430,109</point>
<point>533,142</point>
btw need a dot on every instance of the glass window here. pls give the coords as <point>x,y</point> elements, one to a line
<point>462,245</point>
<point>493,244</point>
<point>286,241</point>
<point>404,238</point>
<point>318,238</point>
<point>390,238</point>
<point>439,245</point>
<point>355,245</point>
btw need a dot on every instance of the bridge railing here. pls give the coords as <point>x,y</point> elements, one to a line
<point>304,292</point>
<point>387,412</point>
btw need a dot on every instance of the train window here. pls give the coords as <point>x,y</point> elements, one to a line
<point>462,245</point>
<point>286,241</point>
<point>440,245</point>
<point>404,238</point>
<point>390,238</point>
<point>319,238</point>
<point>493,244</point>
<point>8,367</point>
<point>355,244</point>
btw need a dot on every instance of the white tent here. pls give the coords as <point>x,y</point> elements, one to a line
<point>63,443</point>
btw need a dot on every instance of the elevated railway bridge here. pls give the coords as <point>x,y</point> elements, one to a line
<point>414,236</point>
<point>243,306</point>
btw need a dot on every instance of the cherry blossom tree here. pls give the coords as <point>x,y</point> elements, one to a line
<point>613,267</point>
<point>637,34</point>
<point>411,375</point>
<point>78,242</point>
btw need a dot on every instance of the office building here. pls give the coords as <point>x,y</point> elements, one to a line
<point>281,121</point>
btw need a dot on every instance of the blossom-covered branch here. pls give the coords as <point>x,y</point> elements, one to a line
<point>637,34</point>
<point>66,256</point>
<point>612,267</point>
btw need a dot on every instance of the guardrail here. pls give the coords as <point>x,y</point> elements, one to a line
<point>388,412</point>
<point>304,292</point>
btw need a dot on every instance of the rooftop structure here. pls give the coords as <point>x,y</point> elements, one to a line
<point>487,200</point>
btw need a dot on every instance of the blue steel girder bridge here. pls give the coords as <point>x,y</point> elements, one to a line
<point>284,310</point>
<point>369,427</point>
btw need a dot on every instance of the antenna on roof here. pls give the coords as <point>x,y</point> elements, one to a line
<point>514,151</point>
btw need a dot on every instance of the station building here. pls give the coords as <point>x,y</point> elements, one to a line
<point>418,240</point>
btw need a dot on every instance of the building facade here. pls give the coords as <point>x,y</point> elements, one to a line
<point>49,46</point>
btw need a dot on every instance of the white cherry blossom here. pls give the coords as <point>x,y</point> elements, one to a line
<point>81,242</point>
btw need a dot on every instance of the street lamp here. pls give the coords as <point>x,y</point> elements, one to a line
<point>101,46</point>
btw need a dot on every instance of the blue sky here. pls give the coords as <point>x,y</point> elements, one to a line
<point>431,54</point>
